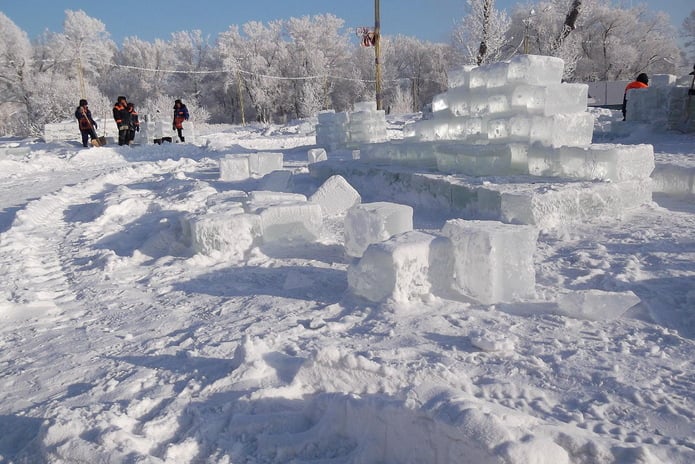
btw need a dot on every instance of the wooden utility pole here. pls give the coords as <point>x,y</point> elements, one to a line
<point>377,53</point>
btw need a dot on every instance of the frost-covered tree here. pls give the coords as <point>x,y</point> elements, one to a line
<point>618,44</point>
<point>16,81</point>
<point>421,65</point>
<point>317,50</point>
<point>688,30</point>
<point>480,37</point>
<point>256,59</point>
<point>83,51</point>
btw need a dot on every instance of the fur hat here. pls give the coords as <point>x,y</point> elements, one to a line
<point>83,102</point>
<point>643,78</point>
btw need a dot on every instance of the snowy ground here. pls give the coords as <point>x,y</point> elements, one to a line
<point>118,344</point>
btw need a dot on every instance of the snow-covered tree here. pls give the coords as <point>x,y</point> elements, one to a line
<point>16,80</point>
<point>317,50</point>
<point>256,58</point>
<point>83,50</point>
<point>620,43</point>
<point>688,30</point>
<point>480,37</point>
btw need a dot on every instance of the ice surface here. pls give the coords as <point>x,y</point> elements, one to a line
<point>335,196</point>
<point>365,106</point>
<point>291,222</point>
<point>398,268</point>
<point>595,162</point>
<point>493,262</point>
<point>277,181</point>
<point>369,223</point>
<point>262,163</point>
<point>596,305</point>
<point>314,155</point>
<point>403,152</point>
<point>234,168</point>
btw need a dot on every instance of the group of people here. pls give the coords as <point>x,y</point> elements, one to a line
<point>127,121</point>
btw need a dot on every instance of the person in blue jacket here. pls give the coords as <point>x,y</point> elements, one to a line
<point>180,115</point>
<point>86,123</point>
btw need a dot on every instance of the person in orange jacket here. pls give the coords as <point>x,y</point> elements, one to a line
<point>122,118</point>
<point>642,82</point>
<point>134,125</point>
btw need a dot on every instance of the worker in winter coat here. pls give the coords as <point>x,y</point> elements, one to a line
<point>86,123</point>
<point>642,82</point>
<point>122,118</point>
<point>180,115</point>
<point>134,123</point>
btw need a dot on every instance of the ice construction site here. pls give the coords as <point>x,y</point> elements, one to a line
<point>506,153</point>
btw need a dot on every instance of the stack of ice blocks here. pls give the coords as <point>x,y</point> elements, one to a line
<point>350,130</point>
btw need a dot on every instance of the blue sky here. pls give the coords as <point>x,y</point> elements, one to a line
<point>149,19</point>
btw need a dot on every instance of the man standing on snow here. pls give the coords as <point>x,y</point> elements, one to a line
<point>180,115</point>
<point>134,125</point>
<point>86,123</point>
<point>642,82</point>
<point>122,118</point>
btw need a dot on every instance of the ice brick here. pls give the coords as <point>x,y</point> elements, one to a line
<point>291,222</point>
<point>595,162</point>
<point>369,223</point>
<point>459,77</point>
<point>674,179</point>
<point>259,199</point>
<point>493,262</point>
<point>335,196</point>
<point>314,155</point>
<point>482,160</point>
<point>234,168</point>
<point>262,163</point>
<point>595,305</point>
<point>226,232</point>
<point>277,181</point>
<point>402,268</point>
<point>550,99</point>
<point>571,129</point>
<point>535,70</point>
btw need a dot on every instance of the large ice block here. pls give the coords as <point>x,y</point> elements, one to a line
<point>612,162</point>
<point>369,223</point>
<point>482,160</point>
<point>277,181</point>
<point>291,222</point>
<point>335,196</point>
<point>227,232</point>
<point>547,100</point>
<point>570,129</point>
<point>535,70</point>
<point>314,155</point>
<point>402,268</point>
<point>459,77</point>
<point>674,179</point>
<point>262,163</point>
<point>493,262</point>
<point>234,168</point>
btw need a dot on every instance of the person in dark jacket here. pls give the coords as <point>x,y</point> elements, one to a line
<point>134,124</point>
<point>86,123</point>
<point>180,115</point>
<point>642,82</point>
<point>122,118</point>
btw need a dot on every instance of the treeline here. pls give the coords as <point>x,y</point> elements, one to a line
<point>287,69</point>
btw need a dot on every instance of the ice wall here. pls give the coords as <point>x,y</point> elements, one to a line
<point>364,125</point>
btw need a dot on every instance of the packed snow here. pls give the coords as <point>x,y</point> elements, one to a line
<point>161,304</point>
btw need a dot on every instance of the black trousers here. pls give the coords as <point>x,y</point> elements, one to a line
<point>180,132</point>
<point>86,134</point>
<point>123,137</point>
